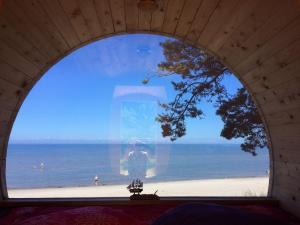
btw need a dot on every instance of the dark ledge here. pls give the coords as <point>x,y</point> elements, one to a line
<point>12,202</point>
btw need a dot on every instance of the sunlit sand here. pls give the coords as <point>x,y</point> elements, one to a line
<point>254,186</point>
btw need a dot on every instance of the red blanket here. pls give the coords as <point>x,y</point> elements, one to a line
<point>108,215</point>
<point>90,215</point>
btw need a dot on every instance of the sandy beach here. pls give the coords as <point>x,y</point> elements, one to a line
<point>254,186</point>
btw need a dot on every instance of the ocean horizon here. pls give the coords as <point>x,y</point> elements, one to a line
<point>75,165</point>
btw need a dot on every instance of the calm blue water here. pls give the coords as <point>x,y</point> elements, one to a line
<point>77,164</point>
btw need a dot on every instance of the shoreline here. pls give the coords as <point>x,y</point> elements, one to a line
<point>242,186</point>
<point>145,182</point>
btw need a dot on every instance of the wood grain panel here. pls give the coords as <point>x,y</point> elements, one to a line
<point>287,97</point>
<point>9,90</point>
<point>144,23</point>
<point>10,56</point>
<point>159,15</point>
<point>172,15</point>
<point>285,142</point>
<point>201,19</point>
<point>104,15</point>
<point>284,62</point>
<point>271,48</point>
<point>223,11</point>
<point>60,19</point>
<point>5,115</point>
<point>76,18</point>
<point>3,129</point>
<point>284,89</point>
<point>290,130</point>
<point>132,15</point>
<point>243,10</point>
<point>23,25</point>
<point>89,13</point>
<point>187,16</point>
<point>276,23</point>
<point>287,155</point>
<point>12,37</point>
<point>13,75</point>
<point>9,105</point>
<point>284,116</point>
<point>288,201</point>
<point>249,27</point>
<point>274,80</point>
<point>285,170</point>
<point>39,18</point>
<point>282,153</point>
<point>118,15</point>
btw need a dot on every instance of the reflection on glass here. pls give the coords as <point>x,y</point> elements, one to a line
<point>134,110</point>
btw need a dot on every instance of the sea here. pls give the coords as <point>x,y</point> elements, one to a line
<point>72,165</point>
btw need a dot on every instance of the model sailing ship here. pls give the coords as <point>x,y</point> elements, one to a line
<point>136,187</point>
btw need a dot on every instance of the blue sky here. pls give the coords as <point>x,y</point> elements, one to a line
<point>95,95</point>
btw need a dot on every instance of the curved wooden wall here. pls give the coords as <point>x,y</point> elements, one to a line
<point>259,40</point>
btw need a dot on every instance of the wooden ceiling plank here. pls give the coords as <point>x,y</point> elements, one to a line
<point>283,117</point>
<point>275,25</point>
<point>283,90</point>
<point>249,27</point>
<point>91,18</point>
<point>76,18</point>
<point>144,20</point>
<point>132,15</point>
<point>271,81</point>
<point>288,179</point>
<point>289,129</point>
<point>275,106</point>
<point>280,63</point>
<point>216,22</point>
<point>118,14</point>
<point>289,169</point>
<point>13,75</point>
<point>11,57</point>
<point>285,142</point>
<point>104,14</point>
<point>9,102</point>
<point>241,12</point>
<point>60,19</point>
<point>201,19</point>
<point>158,16</point>
<point>288,198</point>
<point>288,189</point>
<point>172,16</point>
<point>39,17</point>
<point>278,42</point>
<point>288,156</point>
<point>3,129</point>
<point>9,105</point>
<point>5,115</point>
<point>8,89</point>
<point>25,27</point>
<point>15,40</point>
<point>287,97</point>
<point>187,16</point>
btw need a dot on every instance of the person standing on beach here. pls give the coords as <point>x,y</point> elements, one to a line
<point>96,180</point>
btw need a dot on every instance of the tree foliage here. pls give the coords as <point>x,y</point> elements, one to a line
<point>201,77</point>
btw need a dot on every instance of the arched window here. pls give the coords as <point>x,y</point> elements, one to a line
<point>94,123</point>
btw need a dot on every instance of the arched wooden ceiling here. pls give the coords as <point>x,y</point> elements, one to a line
<point>259,40</point>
